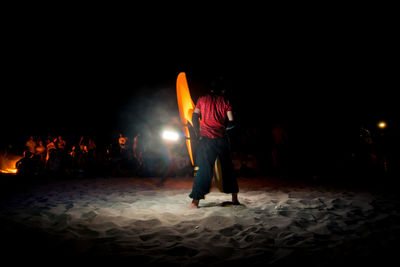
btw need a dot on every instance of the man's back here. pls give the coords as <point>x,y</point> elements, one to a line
<point>213,110</point>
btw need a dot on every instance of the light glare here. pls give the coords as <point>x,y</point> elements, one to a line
<point>170,135</point>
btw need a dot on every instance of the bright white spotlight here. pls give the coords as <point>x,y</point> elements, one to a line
<point>170,135</point>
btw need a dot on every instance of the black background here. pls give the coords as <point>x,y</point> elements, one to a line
<point>94,77</point>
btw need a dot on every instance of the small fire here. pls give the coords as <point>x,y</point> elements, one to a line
<point>9,170</point>
<point>7,163</point>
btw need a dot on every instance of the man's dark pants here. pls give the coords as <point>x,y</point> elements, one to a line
<point>207,151</point>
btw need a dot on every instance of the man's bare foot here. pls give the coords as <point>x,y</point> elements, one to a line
<point>235,200</point>
<point>194,204</point>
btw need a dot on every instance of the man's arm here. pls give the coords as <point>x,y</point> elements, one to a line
<point>231,123</point>
<point>196,121</point>
<point>230,115</point>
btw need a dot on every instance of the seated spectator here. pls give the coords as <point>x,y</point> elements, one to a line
<point>91,147</point>
<point>31,145</point>
<point>40,151</point>
<point>123,142</point>
<point>61,143</point>
<point>82,143</point>
<point>51,146</point>
<point>26,165</point>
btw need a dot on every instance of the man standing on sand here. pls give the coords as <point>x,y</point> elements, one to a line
<point>213,109</point>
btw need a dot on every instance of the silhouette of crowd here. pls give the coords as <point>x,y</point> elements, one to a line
<point>279,152</point>
<point>53,155</point>
<point>56,156</point>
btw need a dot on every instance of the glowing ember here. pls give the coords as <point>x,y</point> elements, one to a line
<point>9,170</point>
<point>7,163</point>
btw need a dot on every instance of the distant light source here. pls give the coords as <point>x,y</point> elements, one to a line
<point>170,135</point>
<point>382,124</point>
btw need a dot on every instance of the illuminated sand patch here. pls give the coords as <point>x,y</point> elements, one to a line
<point>127,217</point>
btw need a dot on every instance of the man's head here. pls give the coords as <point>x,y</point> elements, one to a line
<point>218,86</point>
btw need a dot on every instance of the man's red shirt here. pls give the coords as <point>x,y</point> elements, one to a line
<point>213,109</point>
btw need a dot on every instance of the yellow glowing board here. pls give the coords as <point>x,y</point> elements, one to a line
<point>186,108</point>
<point>217,175</point>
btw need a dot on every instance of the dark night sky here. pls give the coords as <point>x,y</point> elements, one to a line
<point>87,82</point>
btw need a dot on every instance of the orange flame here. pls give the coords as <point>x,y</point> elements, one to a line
<point>7,163</point>
<point>9,170</point>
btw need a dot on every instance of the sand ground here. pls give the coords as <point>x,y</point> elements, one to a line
<point>131,220</point>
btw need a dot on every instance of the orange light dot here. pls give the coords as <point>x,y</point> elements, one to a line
<point>382,124</point>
